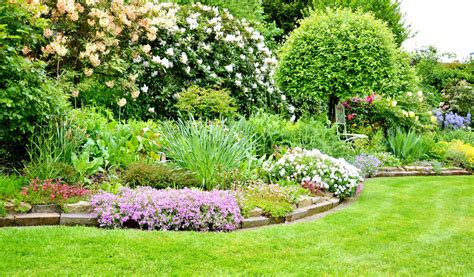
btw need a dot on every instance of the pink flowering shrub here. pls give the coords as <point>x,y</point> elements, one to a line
<point>51,192</point>
<point>186,209</point>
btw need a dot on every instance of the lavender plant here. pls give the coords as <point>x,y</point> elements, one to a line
<point>186,209</point>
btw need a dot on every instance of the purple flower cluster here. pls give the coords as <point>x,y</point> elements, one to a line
<point>368,164</point>
<point>170,209</point>
<point>452,120</point>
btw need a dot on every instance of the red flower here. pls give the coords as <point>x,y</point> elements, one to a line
<point>351,116</point>
<point>369,99</point>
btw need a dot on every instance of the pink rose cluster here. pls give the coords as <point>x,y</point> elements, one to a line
<point>170,209</point>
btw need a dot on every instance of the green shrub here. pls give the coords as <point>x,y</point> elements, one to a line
<point>271,131</point>
<point>458,97</point>
<point>28,98</point>
<point>408,146</point>
<point>3,211</point>
<point>10,186</point>
<point>273,199</point>
<point>118,144</point>
<point>161,175</point>
<point>336,55</point>
<point>249,9</point>
<point>285,14</point>
<point>206,103</point>
<point>52,150</point>
<point>436,76</point>
<point>388,159</point>
<point>386,10</point>
<point>464,135</point>
<point>457,152</point>
<point>216,153</point>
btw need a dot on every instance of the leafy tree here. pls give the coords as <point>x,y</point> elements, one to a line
<point>287,13</point>
<point>386,10</point>
<point>339,54</point>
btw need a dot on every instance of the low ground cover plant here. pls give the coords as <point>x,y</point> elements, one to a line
<point>52,192</point>
<point>273,199</point>
<point>186,209</point>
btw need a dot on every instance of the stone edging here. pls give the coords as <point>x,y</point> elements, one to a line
<point>300,213</point>
<point>404,171</point>
<point>41,219</point>
<point>48,215</point>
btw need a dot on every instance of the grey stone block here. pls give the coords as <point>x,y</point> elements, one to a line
<point>255,222</point>
<point>256,212</point>
<point>81,207</point>
<point>78,219</point>
<point>51,208</point>
<point>334,201</point>
<point>36,219</point>
<point>319,208</point>
<point>304,201</point>
<point>297,214</point>
<point>6,221</point>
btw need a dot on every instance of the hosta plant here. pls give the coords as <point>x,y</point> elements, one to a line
<point>300,165</point>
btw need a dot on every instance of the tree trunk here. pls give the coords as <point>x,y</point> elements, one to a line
<point>333,101</point>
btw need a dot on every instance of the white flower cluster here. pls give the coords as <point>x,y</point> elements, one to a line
<point>300,165</point>
<point>207,45</point>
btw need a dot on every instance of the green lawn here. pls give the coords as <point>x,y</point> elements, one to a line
<point>416,225</point>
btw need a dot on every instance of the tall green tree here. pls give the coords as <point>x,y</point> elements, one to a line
<point>386,10</point>
<point>287,13</point>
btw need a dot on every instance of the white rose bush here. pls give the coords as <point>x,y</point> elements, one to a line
<point>329,174</point>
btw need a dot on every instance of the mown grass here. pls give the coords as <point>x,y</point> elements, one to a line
<point>407,226</point>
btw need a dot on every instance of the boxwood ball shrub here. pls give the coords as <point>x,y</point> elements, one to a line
<point>170,209</point>
<point>338,54</point>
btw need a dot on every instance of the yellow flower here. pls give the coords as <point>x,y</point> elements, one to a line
<point>433,119</point>
<point>411,114</point>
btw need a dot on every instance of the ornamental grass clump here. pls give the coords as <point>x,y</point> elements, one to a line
<point>186,209</point>
<point>215,153</point>
<point>301,166</point>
